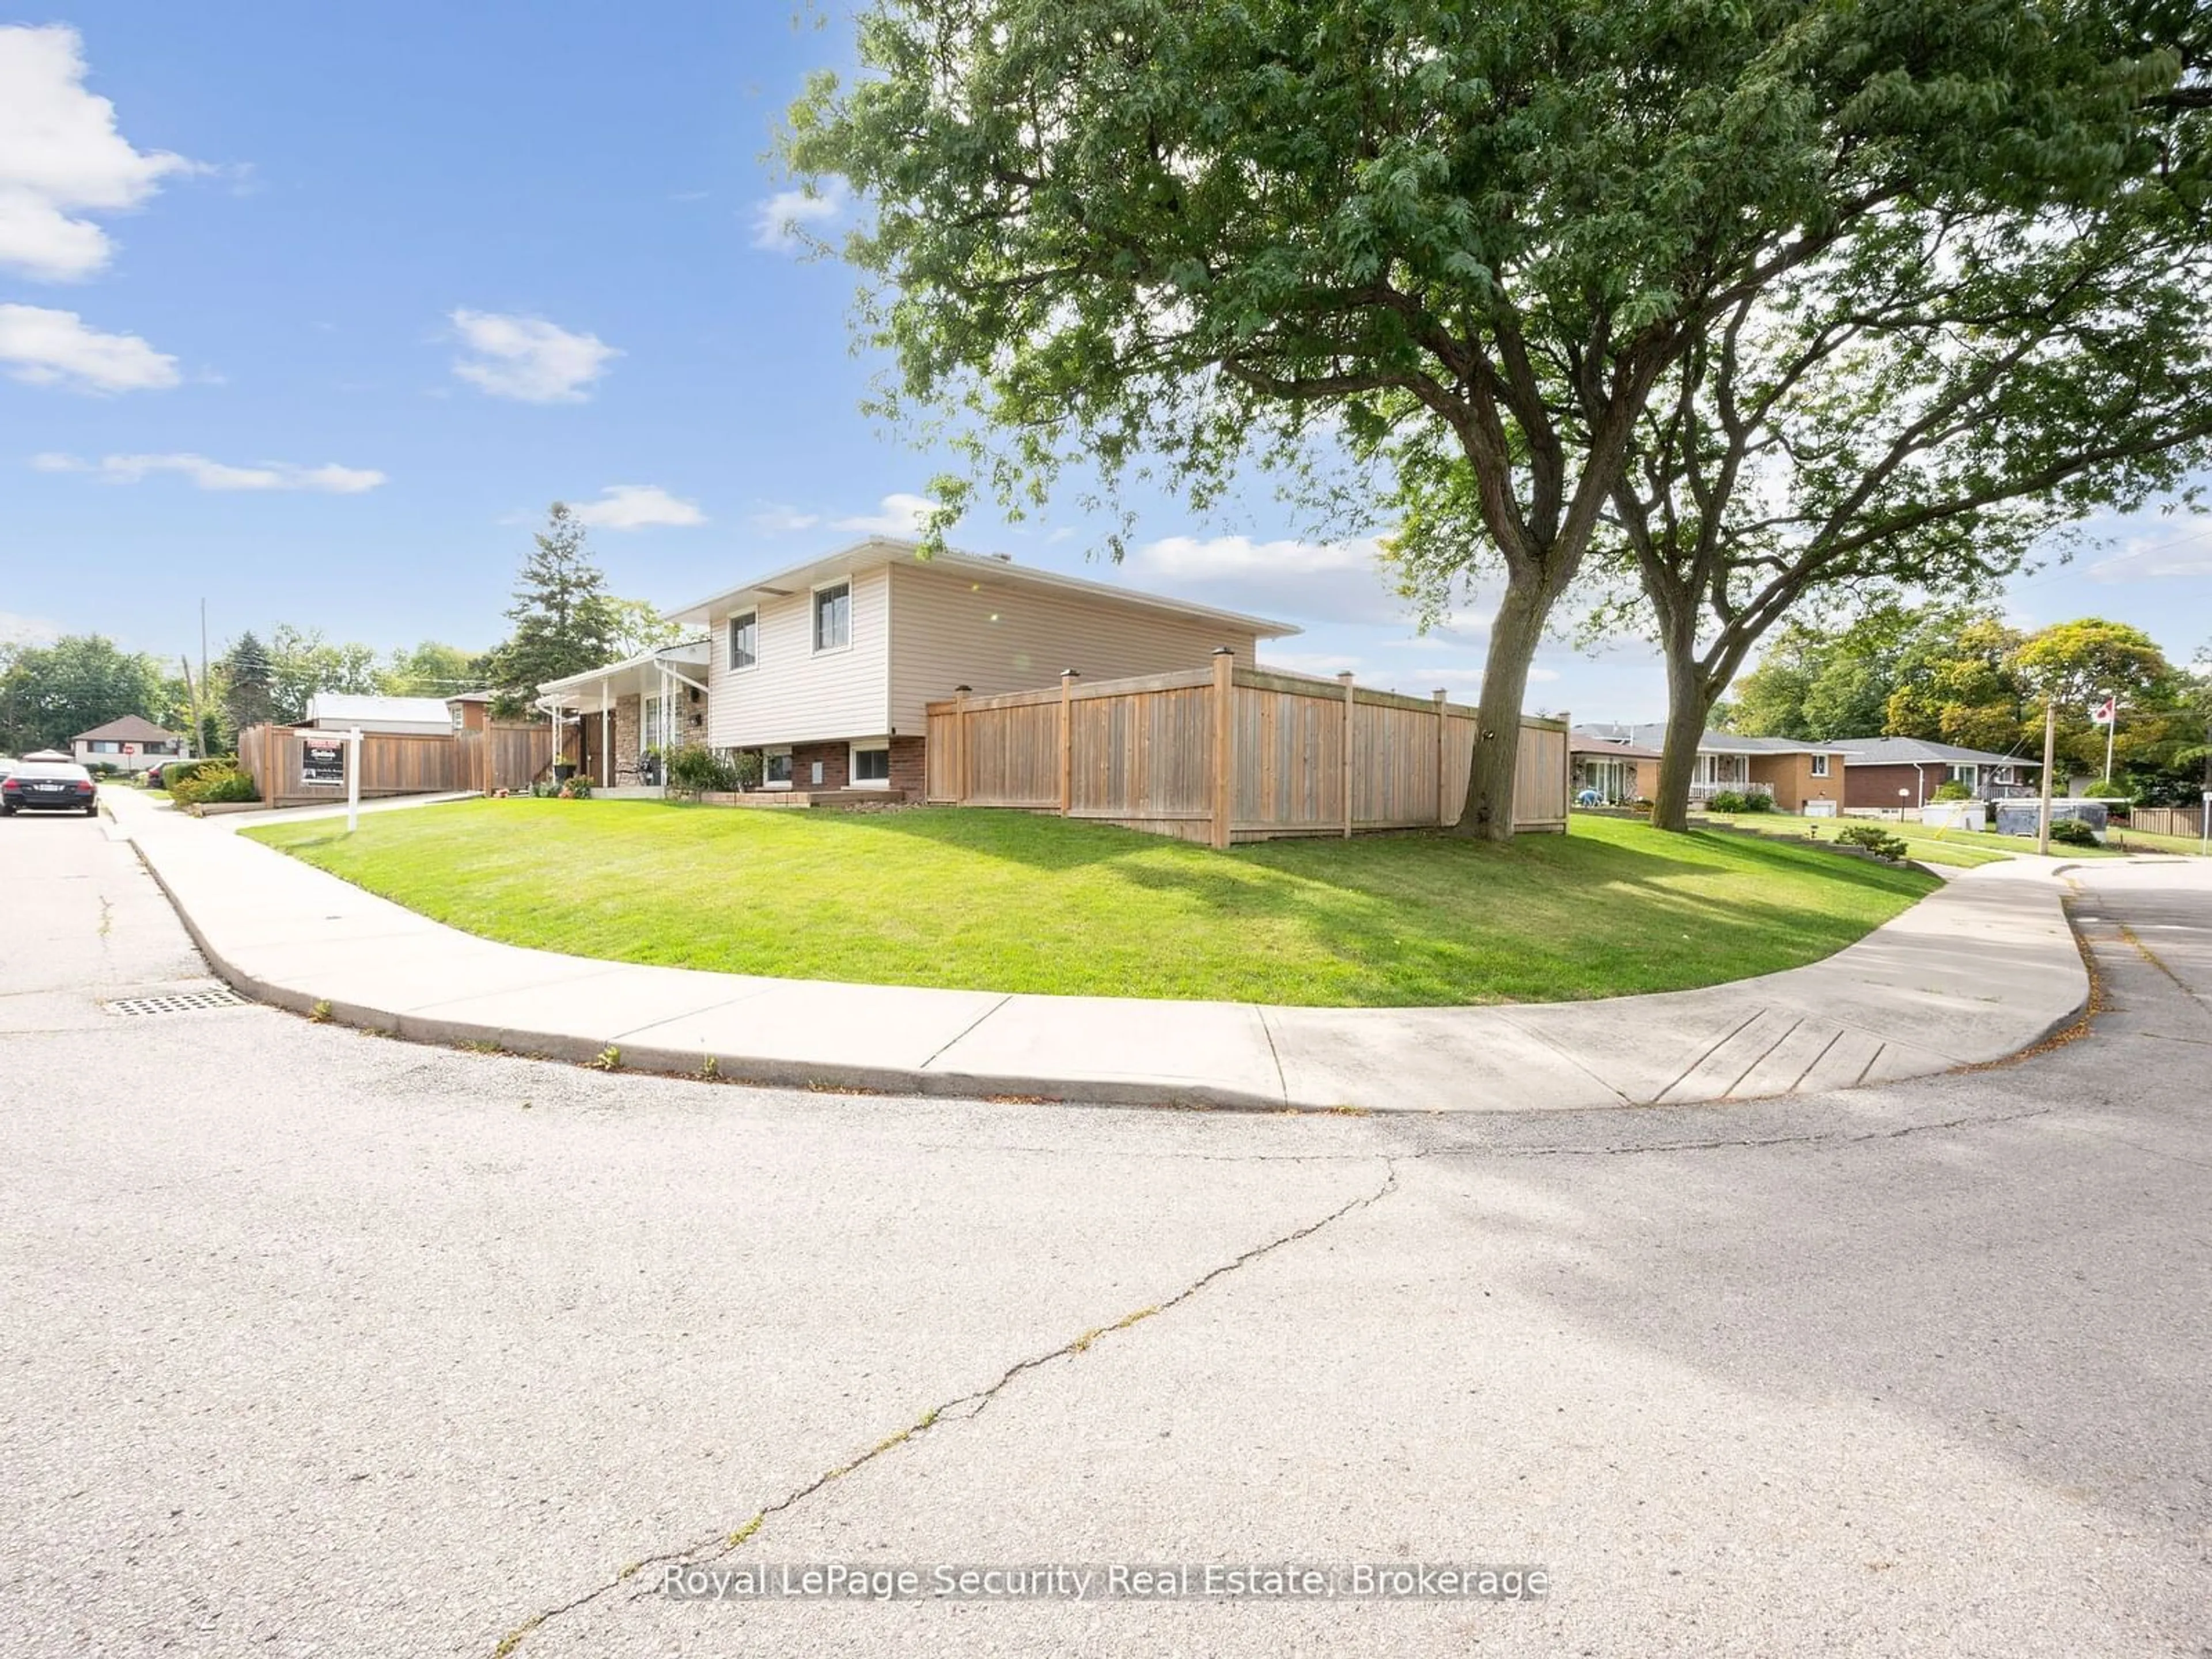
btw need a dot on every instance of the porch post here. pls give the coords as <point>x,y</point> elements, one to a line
<point>1225,745</point>
<point>606,740</point>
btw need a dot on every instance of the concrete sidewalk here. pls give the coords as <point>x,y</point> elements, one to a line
<point>1979,970</point>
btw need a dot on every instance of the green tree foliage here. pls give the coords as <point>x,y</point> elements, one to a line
<point>1502,241</point>
<point>639,627</point>
<point>249,684</point>
<point>433,668</point>
<point>2079,663</point>
<point>49,693</point>
<point>565,622</point>
<point>1966,368</point>
<point>302,663</point>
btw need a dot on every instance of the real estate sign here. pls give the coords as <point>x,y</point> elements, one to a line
<point>322,761</point>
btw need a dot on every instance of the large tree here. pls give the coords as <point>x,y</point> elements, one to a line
<point>1960,372</point>
<point>249,684</point>
<point>564,620</point>
<point>49,693</point>
<point>1123,234</point>
<point>433,668</point>
<point>302,663</point>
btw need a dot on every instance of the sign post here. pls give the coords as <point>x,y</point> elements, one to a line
<point>2050,744</point>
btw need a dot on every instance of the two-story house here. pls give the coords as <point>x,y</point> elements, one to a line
<point>825,668</point>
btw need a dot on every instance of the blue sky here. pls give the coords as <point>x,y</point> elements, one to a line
<point>317,314</point>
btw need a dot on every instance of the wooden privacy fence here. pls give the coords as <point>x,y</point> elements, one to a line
<point>2166,820</point>
<point>502,756</point>
<point>1231,754</point>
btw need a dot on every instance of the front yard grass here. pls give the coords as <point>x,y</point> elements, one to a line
<point>985,900</point>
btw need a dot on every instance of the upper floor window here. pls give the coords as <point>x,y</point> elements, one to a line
<point>744,640</point>
<point>833,617</point>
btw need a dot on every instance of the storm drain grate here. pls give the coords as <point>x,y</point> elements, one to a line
<point>177,1002</point>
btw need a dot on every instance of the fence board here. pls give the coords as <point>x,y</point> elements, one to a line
<point>2187,821</point>
<point>1141,753</point>
<point>506,755</point>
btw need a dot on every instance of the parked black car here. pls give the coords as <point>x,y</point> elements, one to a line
<point>48,786</point>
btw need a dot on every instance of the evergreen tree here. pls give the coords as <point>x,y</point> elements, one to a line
<point>564,620</point>
<point>250,683</point>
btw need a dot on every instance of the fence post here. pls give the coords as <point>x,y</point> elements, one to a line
<point>1444,770</point>
<point>959,746</point>
<point>1224,743</point>
<point>1566,767</point>
<point>1344,678</point>
<point>1067,740</point>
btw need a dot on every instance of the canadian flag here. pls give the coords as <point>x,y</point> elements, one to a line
<point>2106,712</point>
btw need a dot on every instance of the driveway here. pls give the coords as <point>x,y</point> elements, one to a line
<point>325,1344</point>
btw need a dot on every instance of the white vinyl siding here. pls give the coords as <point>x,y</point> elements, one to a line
<point>794,693</point>
<point>959,627</point>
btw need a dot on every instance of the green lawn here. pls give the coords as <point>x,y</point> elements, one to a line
<point>1956,849</point>
<point>1004,900</point>
<point>2136,841</point>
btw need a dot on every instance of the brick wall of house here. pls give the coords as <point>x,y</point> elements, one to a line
<point>834,759</point>
<point>909,765</point>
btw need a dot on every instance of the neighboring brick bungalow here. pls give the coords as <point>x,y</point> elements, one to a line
<point>1793,773</point>
<point>1890,773</point>
<point>825,669</point>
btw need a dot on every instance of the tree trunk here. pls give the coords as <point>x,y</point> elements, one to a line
<point>1688,707</point>
<point>1518,630</point>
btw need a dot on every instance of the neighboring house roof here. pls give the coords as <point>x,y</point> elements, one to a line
<point>472,697</point>
<point>353,706</point>
<point>1918,751</point>
<point>1653,736</point>
<point>887,549</point>
<point>1582,740</point>
<point>130,729</point>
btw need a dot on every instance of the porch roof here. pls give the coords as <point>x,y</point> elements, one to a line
<point>632,677</point>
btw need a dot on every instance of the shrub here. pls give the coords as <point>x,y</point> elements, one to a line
<point>1757,800</point>
<point>698,770</point>
<point>212,781</point>
<point>1727,801</point>
<point>2072,832</point>
<point>182,771</point>
<point>1953,790</point>
<point>576,789</point>
<point>1874,839</point>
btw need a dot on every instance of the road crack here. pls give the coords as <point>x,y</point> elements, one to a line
<point>963,1408</point>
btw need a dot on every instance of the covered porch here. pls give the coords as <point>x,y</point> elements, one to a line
<point>617,724</point>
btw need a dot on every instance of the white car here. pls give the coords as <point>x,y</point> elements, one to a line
<point>48,786</point>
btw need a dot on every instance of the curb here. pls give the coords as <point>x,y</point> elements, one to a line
<point>1900,1054</point>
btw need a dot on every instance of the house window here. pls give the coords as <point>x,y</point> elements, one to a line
<point>1820,766</point>
<point>871,767</point>
<point>744,640</point>
<point>106,746</point>
<point>776,768</point>
<point>833,617</point>
<point>1969,775</point>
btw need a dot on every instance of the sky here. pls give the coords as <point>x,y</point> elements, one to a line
<point>307,312</point>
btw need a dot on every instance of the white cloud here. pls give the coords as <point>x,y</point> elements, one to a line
<point>527,358</point>
<point>638,506</point>
<point>16,630</point>
<point>779,519</point>
<point>2159,561</point>
<point>61,156</point>
<point>900,515</point>
<point>789,221</point>
<point>329,479</point>
<point>57,348</point>
<point>1319,581</point>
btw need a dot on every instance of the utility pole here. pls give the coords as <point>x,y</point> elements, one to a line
<point>2050,758</point>
<point>199,740</point>
<point>2111,729</point>
<point>192,695</point>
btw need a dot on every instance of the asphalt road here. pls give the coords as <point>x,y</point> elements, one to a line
<point>312,1343</point>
